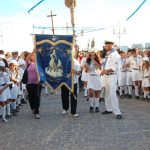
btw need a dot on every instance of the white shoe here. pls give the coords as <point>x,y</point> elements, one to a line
<point>37,116</point>
<point>64,112</point>
<point>75,115</point>
<point>4,120</point>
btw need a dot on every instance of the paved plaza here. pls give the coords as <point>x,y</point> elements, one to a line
<point>87,132</point>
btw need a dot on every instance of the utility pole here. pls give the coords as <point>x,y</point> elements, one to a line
<point>52,15</point>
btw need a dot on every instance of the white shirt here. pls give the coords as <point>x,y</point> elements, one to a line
<point>122,62</point>
<point>4,78</point>
<point>128,61</point>
<point>113,61</point>
<point>135,63</point>
<point>76,67</point>
<point>83,61</point>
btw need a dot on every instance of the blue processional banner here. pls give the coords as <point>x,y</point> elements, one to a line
<point>54,59</point>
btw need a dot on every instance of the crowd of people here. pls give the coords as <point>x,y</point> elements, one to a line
<point>101,75</point>
<point>13,93</point>
<point>112,72</point>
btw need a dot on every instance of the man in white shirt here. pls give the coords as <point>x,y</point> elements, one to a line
<point>110,80</point>
<point>76,70</point>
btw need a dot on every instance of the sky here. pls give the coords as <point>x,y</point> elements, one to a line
<point>16,24</point>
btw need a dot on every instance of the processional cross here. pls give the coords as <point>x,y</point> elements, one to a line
<point>52,15</point>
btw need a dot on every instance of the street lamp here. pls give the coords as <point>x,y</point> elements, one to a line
<point>119,31</point>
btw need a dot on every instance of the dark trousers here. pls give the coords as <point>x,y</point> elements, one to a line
<point>65,99</point>
<point>34,92</point>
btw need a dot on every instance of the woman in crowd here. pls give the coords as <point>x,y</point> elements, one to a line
<point>33,85</point>
<point>146,77</point>
<point>84,76</point>
<point>94,82</point>
<point>14,87</point>
<point>4,84</point>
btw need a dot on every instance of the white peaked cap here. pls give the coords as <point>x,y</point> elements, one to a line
<point>13,62</point>
<point>2,64</point>
<point>2,56</point>
<point>14,51</point>
<point>92,50</point>
<point>146,59</point>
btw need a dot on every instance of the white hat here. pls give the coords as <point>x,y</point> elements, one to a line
<point>2,64</point>
<point>14,51</point>
<point>92,50</point>
<point>21,62</point>
<point>13,62</point>
<point>146,59</point>
<point>2,56</point>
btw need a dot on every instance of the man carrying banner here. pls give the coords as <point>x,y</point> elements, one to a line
<point>76,70</point>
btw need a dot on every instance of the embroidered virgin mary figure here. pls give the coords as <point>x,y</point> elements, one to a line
<point>54,69</point>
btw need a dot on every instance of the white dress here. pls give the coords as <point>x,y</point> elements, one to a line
<point>84,76</point>
<point>135,64</point>
<point>7,78</point>
<point>94,79</point>
<point>145,78</point>
<point>122,74</point>
<point>3,82</point>
<point>129,72</point>
<point>14,91</point>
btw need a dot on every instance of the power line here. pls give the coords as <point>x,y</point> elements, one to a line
<point>35,6</point>
<point>136,10</point>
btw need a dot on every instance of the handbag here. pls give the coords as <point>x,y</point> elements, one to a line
<point>25,76</point>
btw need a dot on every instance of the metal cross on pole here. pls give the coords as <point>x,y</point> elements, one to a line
<point>52,15</point>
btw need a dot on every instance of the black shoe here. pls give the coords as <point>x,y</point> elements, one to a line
<point>117,92</point>
<point>143,99</point>
<point>23,101</point>
<point>87,99</point>
<point>137,97</point>
<point>8,116</point>
<point>119,116</point>
<point>17,109</point>
<point>96,109</point>
<point>121,96</point>
<point>91,109</point>
<point>129,96</point>
<point>101,100</point>
<point>14,113</point>
<point>106,112</point>
<point>126,95</point>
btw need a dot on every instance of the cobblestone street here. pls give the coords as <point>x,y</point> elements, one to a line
<point>87,132</point>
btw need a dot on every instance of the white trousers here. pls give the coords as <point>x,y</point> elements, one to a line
<point>111,100</point>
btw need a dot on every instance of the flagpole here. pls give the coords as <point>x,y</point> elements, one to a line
<point>71,4</point>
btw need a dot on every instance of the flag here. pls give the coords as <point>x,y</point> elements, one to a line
<point>54,59</point>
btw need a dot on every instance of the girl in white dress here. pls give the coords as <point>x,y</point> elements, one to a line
<point>14,89</point>
<point>135,65</point>
<point>3,92</point>
<point>94,85</point>
<point>84,76</point>
<point>146,77</point>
